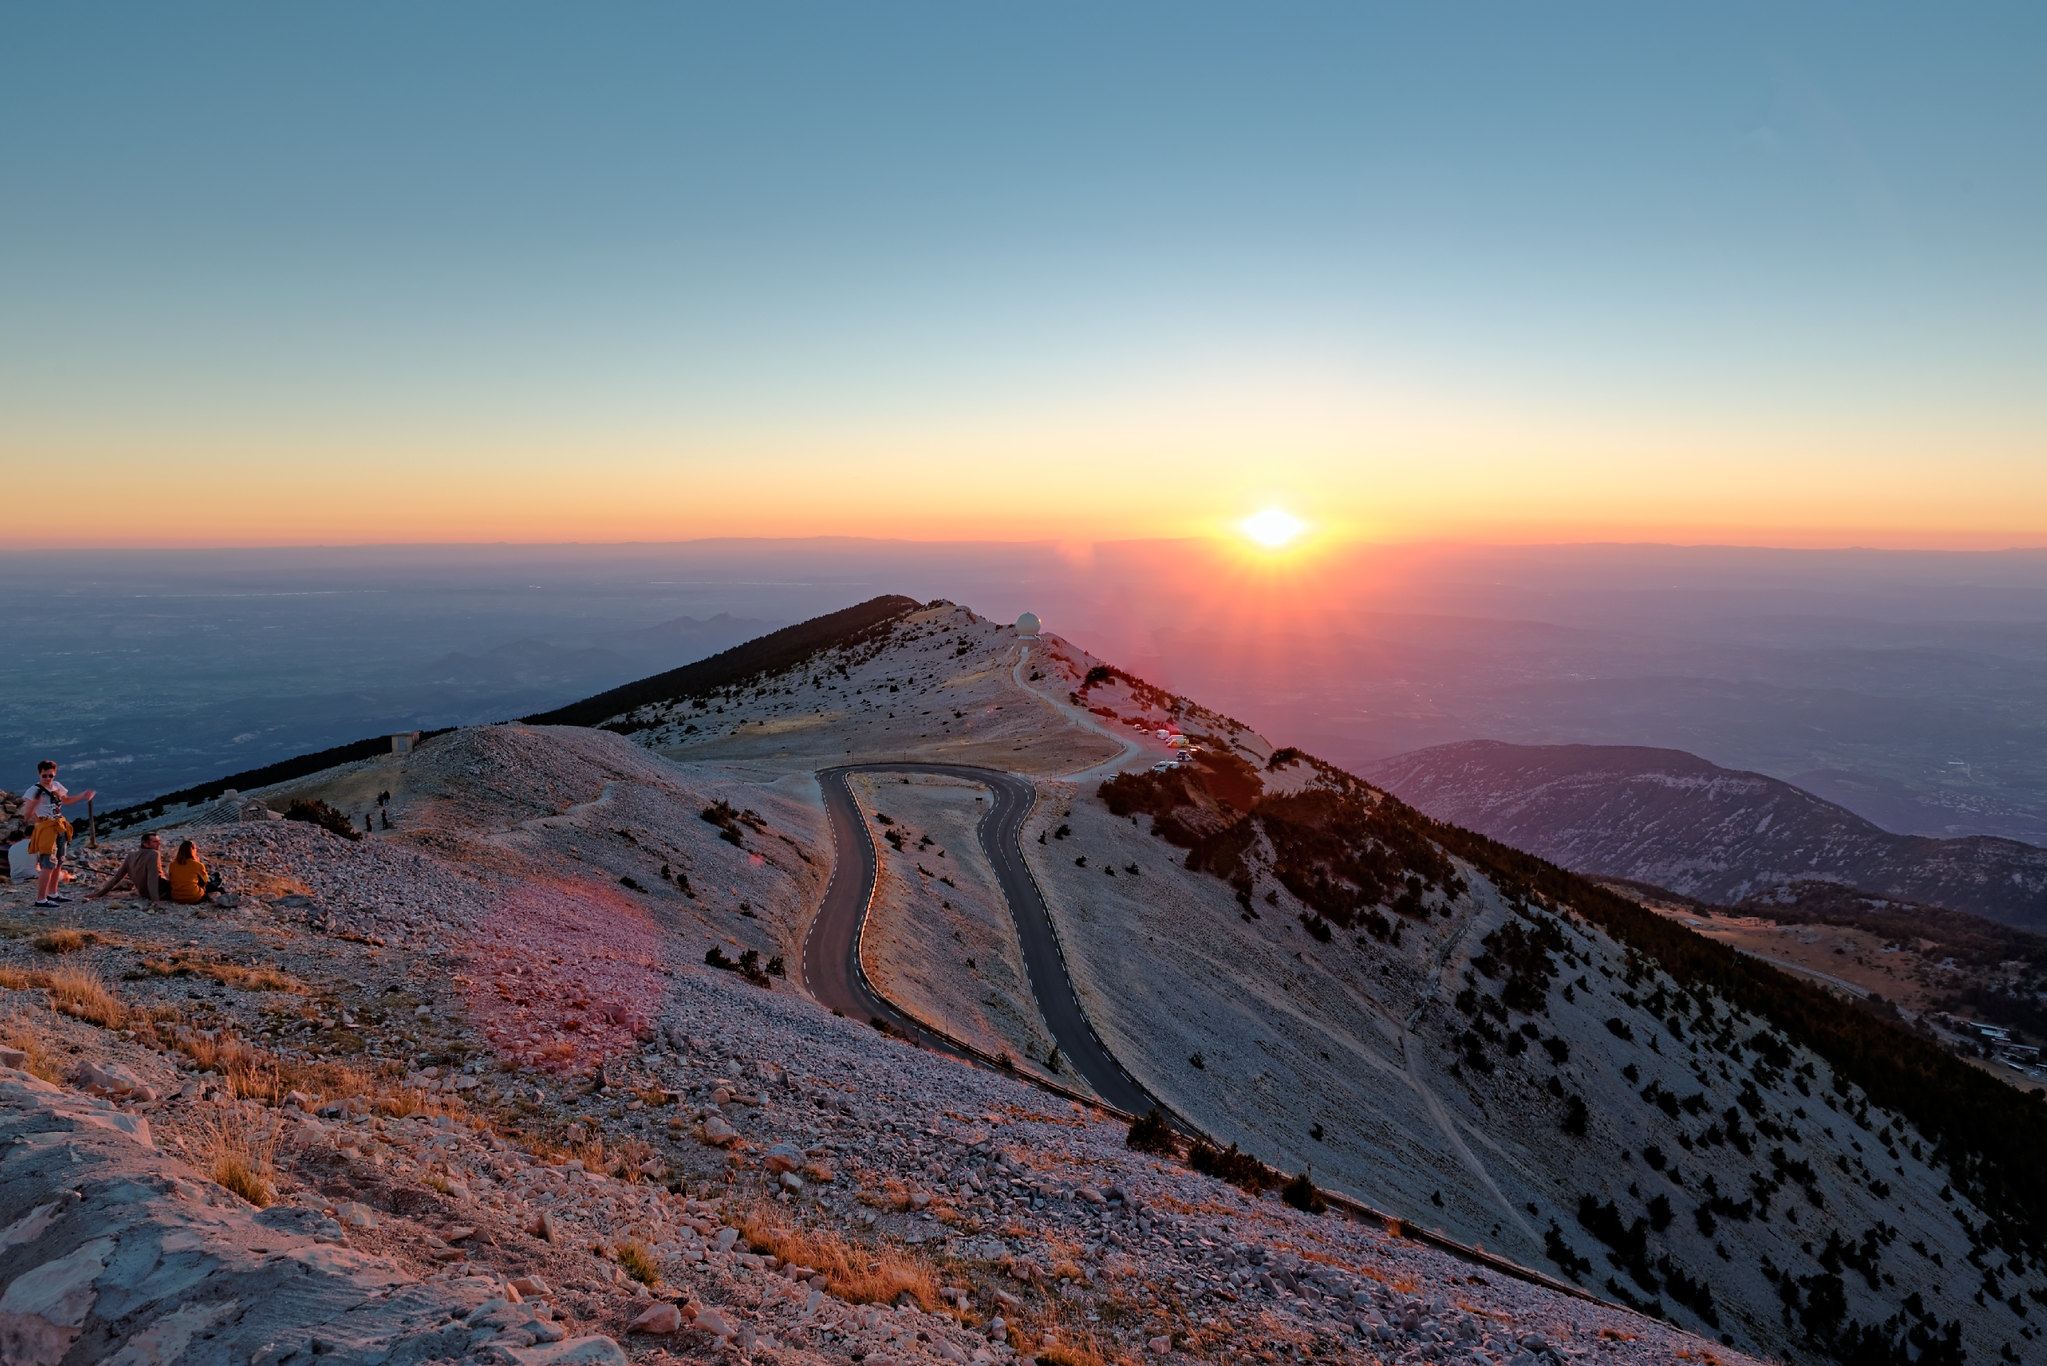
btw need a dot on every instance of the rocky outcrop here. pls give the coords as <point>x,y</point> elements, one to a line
<point>112,1252</point>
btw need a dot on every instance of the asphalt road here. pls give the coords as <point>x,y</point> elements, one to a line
<point>831,953</point>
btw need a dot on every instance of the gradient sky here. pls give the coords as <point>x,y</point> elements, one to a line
<point>374,272</point>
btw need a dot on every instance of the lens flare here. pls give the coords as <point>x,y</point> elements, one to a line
<point>1273,528</point>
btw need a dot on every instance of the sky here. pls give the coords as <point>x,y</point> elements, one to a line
<point>370,273</point>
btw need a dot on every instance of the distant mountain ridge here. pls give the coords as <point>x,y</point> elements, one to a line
<point>1674,819</point>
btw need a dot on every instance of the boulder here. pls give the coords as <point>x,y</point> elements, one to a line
<point>106,1078</point>
<point>658,1318</point>
<point>13,1057</point>
<point>718,1133</point>
<point>594,1350</point>
<point>353,1214</point>
<point>784,1157</point>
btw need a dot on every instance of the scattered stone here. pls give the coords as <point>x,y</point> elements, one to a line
<point>106,1078</point>
<point>658,1318</point>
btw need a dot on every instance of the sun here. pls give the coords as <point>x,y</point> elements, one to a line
<point>1273,528</point>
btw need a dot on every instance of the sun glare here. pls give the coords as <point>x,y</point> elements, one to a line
<point>1273,528</point>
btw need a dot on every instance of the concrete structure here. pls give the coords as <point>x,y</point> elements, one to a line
<point>403,742</point>
<point>1027,624</point>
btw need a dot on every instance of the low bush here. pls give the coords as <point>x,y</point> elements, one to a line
<point>1227,1164</point>
<point>1302,1195</point>
<point>1151,1134</point>
<point>314,811</point>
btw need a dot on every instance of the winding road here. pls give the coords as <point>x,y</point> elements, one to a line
<point>831,953</point>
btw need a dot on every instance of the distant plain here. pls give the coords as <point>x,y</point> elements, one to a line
<point>1906,686</point>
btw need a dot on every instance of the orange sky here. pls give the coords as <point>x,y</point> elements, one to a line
<point>1354,471</point>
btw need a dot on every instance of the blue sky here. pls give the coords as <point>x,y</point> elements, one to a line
<point>671,238</point>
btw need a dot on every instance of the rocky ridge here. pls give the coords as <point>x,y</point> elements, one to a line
<point>1674,820</point>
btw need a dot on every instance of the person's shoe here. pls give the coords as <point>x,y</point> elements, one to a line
<point>40,905</point>
<point>60,900</point>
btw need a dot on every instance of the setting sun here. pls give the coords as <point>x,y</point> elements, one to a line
<point>1273,527</point>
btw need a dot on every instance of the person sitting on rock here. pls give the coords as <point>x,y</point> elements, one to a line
<point>142,870</point>
<point>189,881</point>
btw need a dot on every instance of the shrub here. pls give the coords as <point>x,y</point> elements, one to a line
<point>1227,1164</point>
<point>1151,1134</point>
<point>314,811</point>
<point>1302,1195</point>
<point>1562,1253</point>
<point>64,941</point>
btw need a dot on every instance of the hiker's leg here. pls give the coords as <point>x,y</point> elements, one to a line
<point>47,871</point>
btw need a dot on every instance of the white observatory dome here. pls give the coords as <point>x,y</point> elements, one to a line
<point>1027,624</point>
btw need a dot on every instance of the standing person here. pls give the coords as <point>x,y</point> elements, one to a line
<point>45,806</point>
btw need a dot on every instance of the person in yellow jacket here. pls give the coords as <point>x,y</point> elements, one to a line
<point>187,875</point>
<point>45,807</point>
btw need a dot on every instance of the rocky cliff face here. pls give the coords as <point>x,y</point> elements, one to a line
<point>1670,818</point>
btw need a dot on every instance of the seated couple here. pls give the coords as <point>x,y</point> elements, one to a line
<point>186,882</point>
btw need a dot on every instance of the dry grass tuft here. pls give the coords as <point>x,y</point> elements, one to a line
<point>1083,1352</point>
<point>81,992</point>
<point>76,991</point>
<point>40,1063</point>
<point>239,1156</point>
<point>638,1263</point>
<point>252,1073</point>
<point>64,941</point>
<point>227,974</point>
<point>856,1274</point>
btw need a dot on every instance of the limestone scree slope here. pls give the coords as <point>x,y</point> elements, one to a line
<point>527,1078</point>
